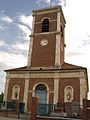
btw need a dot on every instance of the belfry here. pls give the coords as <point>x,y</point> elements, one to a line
<point>47,75</point>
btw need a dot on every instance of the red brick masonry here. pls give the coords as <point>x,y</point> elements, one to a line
<point>86,109</point>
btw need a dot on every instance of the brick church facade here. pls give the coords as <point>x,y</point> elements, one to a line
<point>47,75</point>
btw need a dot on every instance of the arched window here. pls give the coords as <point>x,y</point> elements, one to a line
<point>45,25</point>
<point>15,92</point>
<point>68,94</point>
<point>41,87</point>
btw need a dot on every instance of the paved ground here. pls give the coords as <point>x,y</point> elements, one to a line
<point>15,117</point>
<point>26,118</point>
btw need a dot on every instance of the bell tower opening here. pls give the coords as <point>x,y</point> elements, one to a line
<point>45,25</point>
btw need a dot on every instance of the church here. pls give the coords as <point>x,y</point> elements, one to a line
<point>46,74</point>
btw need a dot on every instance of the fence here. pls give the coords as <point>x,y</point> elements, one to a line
<point>74,111</point>
<point>11,107</point>
<point>1,103</point>
<point>86,109</point>
<point>67,110</point>
<point>45,109</point>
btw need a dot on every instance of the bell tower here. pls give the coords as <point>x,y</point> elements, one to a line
<point>47,39</point>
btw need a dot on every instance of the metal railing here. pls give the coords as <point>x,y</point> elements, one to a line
<point>10,106</point>
<point>67,110</point>
<point>45,109</point>
<point>74,111</point>
<point>1,103</point>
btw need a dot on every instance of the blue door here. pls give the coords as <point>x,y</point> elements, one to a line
<point>42,95</point>
<point>41,92</point>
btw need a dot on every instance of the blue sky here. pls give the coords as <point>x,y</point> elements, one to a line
<point>16,25</point>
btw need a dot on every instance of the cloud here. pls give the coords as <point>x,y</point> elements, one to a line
<point>2,43</point>
<point>73,53</point>
<point>53,2</point>
<point>26,20</point>
<point>2,27</point>
<point>6,19</point>
<point>43,2</point>
<point>62,2</point>
<point>21,46</point>
<point>2,76</point>
<point>86,40</point>
<point>26,31</point>
<point>48,1</point>
<point>39,1</point>
<point>2,11</point>
<point>78,56</point>
<point>12,59</point>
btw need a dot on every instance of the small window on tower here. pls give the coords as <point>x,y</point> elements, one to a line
<point>45,25</point>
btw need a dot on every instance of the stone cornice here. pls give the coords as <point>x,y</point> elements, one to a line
<point>45,33</point>
<point>49,10</point>
<point>46,74</point>
<point>46,9</point>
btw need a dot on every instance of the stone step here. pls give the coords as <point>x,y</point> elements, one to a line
<point>50,118</point>
<point>58,114</point>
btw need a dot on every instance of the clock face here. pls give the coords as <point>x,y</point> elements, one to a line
<point>44,42</point>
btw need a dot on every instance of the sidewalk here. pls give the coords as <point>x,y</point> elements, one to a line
<point>4,118</point>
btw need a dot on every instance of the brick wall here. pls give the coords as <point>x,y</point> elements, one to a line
<point>52,16</point>
<point>16,81</point>
<point>52,27</point>
<point>74,82</point>
<point>43,55</point>
<point>34,111</point>
<point>52,22</point>
<point>33,82</point>
<point>86,109</point>
<point>34,108</point>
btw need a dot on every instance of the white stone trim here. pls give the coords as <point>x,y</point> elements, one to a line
<point>82,90</point>
<point>46,33</point>
<point>6,89</point>
<point>31,44</point>
<point>45,12</point>
<point>64,42</point>
<point>58,21</point>
<point>45,18</point>
<point>26,93</point>
<point>49,21</point>
<point>48,74</point>
<point>57,52</point>
<point>33,24</point>
<point>30,52</point>
<point>34,88</point>
<point>56,87</point>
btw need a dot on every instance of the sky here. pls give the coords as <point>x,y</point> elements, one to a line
<point>16,25</point>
